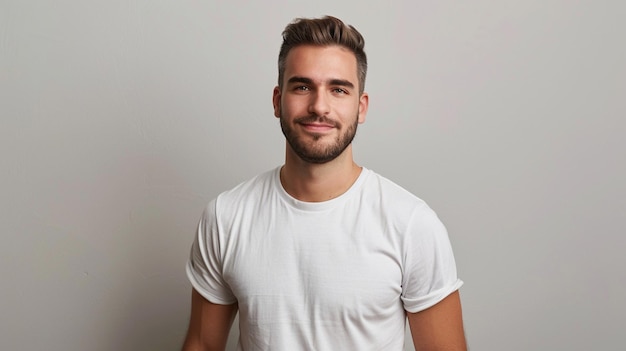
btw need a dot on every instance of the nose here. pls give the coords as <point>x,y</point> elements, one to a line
<point>319,104</point>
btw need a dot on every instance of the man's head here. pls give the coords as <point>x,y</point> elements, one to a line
<point>326,31</point>
<point>320,98</point>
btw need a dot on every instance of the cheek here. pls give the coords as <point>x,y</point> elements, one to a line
<point>349,111</point>
<point>291,106</point>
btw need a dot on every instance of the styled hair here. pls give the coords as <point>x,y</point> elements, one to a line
<point>323,31</point>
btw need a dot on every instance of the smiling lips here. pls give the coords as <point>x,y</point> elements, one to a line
<point>318,127</point>
<point>316,124</point>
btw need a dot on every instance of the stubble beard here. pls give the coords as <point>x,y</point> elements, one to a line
<point>313,151</point>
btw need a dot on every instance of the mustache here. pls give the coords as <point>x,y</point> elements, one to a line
<point>318,119</point>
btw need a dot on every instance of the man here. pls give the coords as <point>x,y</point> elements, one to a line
<point>322,254</point>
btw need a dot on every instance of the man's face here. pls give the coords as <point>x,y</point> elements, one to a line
<point>319,105</point>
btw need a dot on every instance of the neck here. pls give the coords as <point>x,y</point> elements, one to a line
<point>313,182</point>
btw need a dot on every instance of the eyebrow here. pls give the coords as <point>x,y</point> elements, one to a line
<point>340,82</point>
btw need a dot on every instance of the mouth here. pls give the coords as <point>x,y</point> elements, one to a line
<point>317,127</point>
<point>316,124</point>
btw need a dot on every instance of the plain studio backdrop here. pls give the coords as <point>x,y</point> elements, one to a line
<point>121,119</point>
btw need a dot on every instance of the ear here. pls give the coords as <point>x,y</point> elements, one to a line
<point>276,101</point>
<point>364,101</point>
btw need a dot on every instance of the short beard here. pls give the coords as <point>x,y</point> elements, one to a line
<point>313,154</point>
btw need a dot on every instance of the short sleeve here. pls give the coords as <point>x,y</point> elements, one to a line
<point>204,268</point>
<point>429,268</point>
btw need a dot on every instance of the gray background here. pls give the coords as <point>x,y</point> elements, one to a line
<point>121,119</point>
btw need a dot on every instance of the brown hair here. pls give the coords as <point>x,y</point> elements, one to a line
<point>323,31</point>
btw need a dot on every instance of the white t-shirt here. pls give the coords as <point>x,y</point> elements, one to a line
<point>333,275</point>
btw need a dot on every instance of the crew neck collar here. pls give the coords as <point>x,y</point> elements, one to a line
<point>322,205</point>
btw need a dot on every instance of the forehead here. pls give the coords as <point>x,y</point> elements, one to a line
<point>321,63</point>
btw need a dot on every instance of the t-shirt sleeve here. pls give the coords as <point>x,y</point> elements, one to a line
<point>204,268</point>
<point>429,273</point>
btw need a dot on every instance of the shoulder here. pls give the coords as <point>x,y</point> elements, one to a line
<point>248,189</point>
<point>395,204</point>
<point>243,198</point>
<point>391,194</point>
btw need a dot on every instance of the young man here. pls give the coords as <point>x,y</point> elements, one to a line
<point>322,254</point>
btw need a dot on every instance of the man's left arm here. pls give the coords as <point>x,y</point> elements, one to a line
<point>440,327</point>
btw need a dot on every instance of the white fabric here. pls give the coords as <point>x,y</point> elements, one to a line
<point>334,275</point>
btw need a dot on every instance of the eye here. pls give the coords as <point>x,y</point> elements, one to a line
<point>340,91</point>
<point>301,88</point>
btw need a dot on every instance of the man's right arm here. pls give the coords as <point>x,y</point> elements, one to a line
<point>209,324</point>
